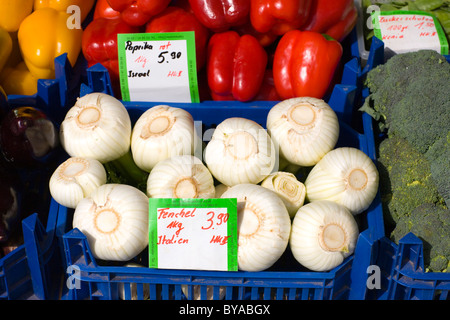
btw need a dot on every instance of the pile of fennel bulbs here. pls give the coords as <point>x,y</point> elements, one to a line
<point>242,160</point>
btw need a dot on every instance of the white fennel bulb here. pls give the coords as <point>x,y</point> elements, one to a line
<point>180,177</point>
<point>220,189</point>
<point>75,179</point>
<point>304,129</point>
<point>323,234</point>
<point>263,226</point>
<point>114,219</point>
<point>160,133</point>
<point>98,126</point>
<point>240,151</point>
<point>288,188</point>
<point>345,175</point>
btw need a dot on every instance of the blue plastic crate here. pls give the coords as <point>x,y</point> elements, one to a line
<point>34,269</point>
<point>55,96</point>
<point>90,279</point>
<point>402,265</point>
<point>405,275</point>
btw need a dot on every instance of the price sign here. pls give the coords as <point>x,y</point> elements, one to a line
<point>199,234</point>
<point>158,67</point>
<point>406,31</point>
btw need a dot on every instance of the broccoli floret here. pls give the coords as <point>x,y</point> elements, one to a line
<point>439,157</point>
<point>409,101</point>
<point>405,179</point>
<point>409,96</point>
<point>423,116</point>
<point>430,223</point>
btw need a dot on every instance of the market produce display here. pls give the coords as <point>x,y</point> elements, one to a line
<point>301,196</point>
<point>34,32</point>
<point>229,69</point>
<point>409,101</point>
<point>240,159</point>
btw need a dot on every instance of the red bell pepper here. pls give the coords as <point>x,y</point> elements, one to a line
<point>235,66</point>
<point>99,44</point>
<point>138,12</point>
<point>221,15</point>
<point>267,91</point>
<point>176,19</point>
<point>279,16</point>
<point>265,39</point>
<point>304,64</point>
<point>333,17</point>
<point>104,10</point>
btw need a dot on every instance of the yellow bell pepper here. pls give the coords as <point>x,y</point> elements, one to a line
<point>18,80</point>
<point>43,36</point>
<point>62,5</point>
<point>12,13</point>
<point>16,56</point>
<point>6,45</point>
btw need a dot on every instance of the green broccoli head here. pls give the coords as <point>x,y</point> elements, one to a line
<point>439,157</point>
<point>409,96</point>
<point>430,223</point>
<point>405,179</point>
<point>423,116</point>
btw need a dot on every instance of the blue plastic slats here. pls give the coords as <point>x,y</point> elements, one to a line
<point>53,96</point>
<point>32,270</point>
<point>15,279</point>
<point>408,280</point>
<point>100,282</point>
<point>99,80</point>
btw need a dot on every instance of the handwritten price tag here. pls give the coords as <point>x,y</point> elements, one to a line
<point>199,234</point>
<point>158,67</point>
<point>406,31</point>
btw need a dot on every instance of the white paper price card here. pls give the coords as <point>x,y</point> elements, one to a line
<point>406,31</point>
<point>158,67</point>
<point>196,234</point>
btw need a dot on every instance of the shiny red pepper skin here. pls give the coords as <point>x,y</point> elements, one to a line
<point>104,10</point>
<point>99,43</point>
<point>265,39</point>
<point>176,19</point>
<point>304,64</point>
<point>221,15</point>
<point>138,12</point>
<point>279,16</point>
<point>235,66</point>
<point>333,17</point>
<point>267,91</point>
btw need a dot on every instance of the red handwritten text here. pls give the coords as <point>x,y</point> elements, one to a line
<point>221,240</point>
<point>141,59</point>
<point>163,213</point>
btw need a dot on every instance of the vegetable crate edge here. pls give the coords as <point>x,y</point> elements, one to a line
<point>88,279</point>
<point>402,265</point>
<point>32,270</point>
